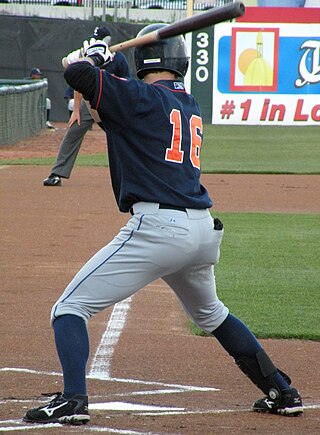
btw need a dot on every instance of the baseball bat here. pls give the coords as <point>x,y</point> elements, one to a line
<point>196,22</point>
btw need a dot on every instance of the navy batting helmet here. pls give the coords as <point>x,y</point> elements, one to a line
<point>168,54</point>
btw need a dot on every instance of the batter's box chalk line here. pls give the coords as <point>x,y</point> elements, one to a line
<point>167,388</point>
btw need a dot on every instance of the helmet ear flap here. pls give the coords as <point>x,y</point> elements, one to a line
<point>168,54</point>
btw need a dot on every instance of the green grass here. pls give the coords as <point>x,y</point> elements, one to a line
<point>268,274</point>
<point>256,149</point>
<point>240,149</point>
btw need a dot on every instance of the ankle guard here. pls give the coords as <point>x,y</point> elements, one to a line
<point>261,370</point>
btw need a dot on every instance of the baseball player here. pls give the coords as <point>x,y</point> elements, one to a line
<point>81,120</point>
<point>154,135</point>
<point>36,74</point>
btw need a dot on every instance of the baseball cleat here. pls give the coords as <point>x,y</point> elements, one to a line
<point>60,410</point>
<point>52,180</point>
<point>289,404</point>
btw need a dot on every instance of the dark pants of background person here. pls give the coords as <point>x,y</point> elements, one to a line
<point>71,143</point>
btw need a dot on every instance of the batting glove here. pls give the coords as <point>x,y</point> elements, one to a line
<point>72,57</point>
<point>98,50</point>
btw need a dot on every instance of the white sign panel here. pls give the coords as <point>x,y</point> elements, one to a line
<point>266,74</point>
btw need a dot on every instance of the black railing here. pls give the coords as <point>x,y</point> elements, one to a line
<point>137,4</point>
<point>46,2</point>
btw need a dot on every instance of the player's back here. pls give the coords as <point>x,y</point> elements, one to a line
<point>154,143</point>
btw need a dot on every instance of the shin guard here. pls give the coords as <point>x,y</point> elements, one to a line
<point>261,371</point>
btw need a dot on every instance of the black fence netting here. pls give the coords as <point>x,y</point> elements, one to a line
<point>28,43</point>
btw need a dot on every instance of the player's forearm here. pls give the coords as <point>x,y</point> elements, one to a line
<point>77,101</point>
<point>81,77</point>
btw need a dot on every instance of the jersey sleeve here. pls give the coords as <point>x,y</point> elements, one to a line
<point>115,99</point>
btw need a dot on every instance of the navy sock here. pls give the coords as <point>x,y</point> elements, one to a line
<point>237,339</point>
<point>72,343</point>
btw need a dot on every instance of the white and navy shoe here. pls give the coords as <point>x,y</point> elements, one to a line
<point>60,410</point>
<point>289,404</point>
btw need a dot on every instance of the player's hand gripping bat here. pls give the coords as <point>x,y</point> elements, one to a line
<point>196,22</point>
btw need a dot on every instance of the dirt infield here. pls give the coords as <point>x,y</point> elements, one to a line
<point>158,378</point>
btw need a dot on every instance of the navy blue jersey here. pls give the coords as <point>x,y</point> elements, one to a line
<point>154,135</point>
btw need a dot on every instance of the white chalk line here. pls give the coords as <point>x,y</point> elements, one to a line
<point>31,371</point>
<point>100,367</point>
<point>175,388</point>
<point>213,411</point>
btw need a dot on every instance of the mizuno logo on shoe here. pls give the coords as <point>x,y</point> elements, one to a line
<point>269,403</point>
<point>49,410</point>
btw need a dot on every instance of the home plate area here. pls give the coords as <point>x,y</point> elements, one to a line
<point>101,406</point>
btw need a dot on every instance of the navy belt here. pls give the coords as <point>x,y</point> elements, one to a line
<point>166,207</point>
<point>172,207</point>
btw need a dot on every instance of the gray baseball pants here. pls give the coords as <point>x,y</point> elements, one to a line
<point>181,247</point>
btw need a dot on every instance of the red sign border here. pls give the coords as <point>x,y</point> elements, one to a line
<point>237,88</point>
